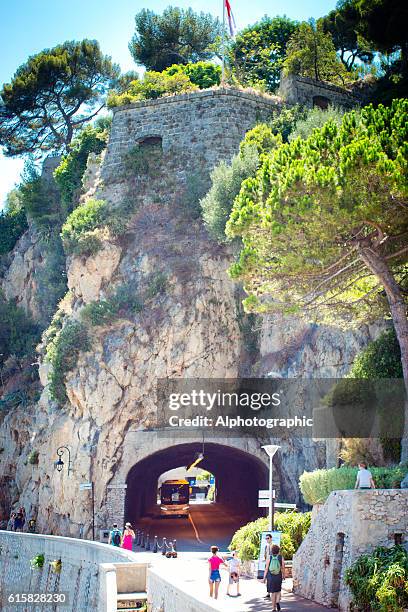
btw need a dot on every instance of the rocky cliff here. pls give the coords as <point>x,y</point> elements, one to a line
<point>173,313</point>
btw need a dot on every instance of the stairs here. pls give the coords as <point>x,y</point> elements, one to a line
<point>131,602</point>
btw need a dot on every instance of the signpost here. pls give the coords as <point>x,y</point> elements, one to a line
<point>89,486</point>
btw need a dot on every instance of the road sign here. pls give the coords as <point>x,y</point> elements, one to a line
<point>263,503</point>
<point>84,486</point>
<point>265,493</point>
<point>212,479</point>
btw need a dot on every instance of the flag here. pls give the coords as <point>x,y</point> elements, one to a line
<point>231,20</point>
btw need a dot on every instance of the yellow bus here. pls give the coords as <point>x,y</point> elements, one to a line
<point>175,498</point>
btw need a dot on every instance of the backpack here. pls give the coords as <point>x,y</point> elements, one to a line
<point>116,537</point>
<point>275,566</point>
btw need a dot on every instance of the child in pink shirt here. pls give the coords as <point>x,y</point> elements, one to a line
<point>214,577</point>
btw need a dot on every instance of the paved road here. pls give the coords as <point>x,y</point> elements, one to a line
<point>208,524</point>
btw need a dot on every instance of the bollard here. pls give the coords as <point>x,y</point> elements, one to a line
<point>155,545</point>
<point>138,537</point>
<point>142,540</point>
<point>164,549</point>
<point>175,545</point>
<point>147,546</point>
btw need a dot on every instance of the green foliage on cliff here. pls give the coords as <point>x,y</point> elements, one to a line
<point>316,486</point>
<point>378,580</point>
<point>315,118</point>
<point>153,85</point>
<point>177,36</point>
<point>380,359</point>
<point>62,353</point>
<point>69,173</point>
<point>124,302</point>
<point>293,525</point>
<point>13,222</point>
<point>18,332</point>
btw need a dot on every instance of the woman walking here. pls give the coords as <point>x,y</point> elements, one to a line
<point>274,572</point>
<point>127,537</point>
<point>214,577</point>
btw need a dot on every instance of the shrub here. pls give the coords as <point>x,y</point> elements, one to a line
<point>13,222</point>
<point>102,312</point>
<point>69,173</point>
<point>153,85</point>
<point>39,201</point>
<point>294,527</point>
<point>157,284</point>
<point>142,158</point>
<point>316,486</point>
<point>202,74</point>
<point>315,118</point>
<point>33,457</point>
<point>62,353</point>
<point>378,581</point>
<point>18,332</point>
<point>78,232</point>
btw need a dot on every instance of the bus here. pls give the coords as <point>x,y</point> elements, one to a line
<point>175,498</point>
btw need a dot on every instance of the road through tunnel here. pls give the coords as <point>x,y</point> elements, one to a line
<point>239,475</point>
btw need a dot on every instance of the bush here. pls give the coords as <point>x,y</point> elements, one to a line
<point>157,283</point>
<point>13,222</point>
<point>153,85</point>
<point>33,457</point>
<point>202,74</point>
<point>315,118</point>
<point>103,312</point>
<point>378,581</point>
<point>62,353</point>
<point>141,159</point>
<point>40,203</point>
<point>69,173</point>
<point>18,332</point>
<point>294,527</point>
<point>316,486</point>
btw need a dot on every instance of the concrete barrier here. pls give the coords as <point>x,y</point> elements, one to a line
<point>92,574</point>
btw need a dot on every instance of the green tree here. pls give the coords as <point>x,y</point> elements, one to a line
<point>325,220</point>
<point>343,25</point>
<point>53,95</point>
<point>311,53</point>
<point>202,74</point>
<point>13,221</point>
<point>177,36</point>
<point>258,51</point>
<point>381,358</point>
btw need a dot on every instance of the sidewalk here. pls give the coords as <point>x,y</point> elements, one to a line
<point>189,573</point>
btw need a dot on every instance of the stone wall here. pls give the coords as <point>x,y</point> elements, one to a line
<point>349,524</point>
<point>80,573</point>
<point>308,92</point>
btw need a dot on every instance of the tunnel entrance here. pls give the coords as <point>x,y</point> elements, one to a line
<point>238,476</point>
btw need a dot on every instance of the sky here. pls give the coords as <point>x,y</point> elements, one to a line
<point>29,26</point>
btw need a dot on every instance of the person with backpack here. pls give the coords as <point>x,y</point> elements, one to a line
<point>274,572</point>
<point>115,536</point>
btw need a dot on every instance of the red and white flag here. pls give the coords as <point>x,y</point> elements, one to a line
<point>231,20</point>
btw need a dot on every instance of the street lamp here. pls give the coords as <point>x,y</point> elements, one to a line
<point>270,450</point>
<point>59,464</point>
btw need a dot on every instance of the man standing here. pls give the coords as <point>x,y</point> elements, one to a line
<point>364,478</point>
<point>267,554</point>
<point>115,536</point>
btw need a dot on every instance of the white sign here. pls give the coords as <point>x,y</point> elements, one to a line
<point>263,503</point>
<point>264,493</point>
<point>85,486</point>
<point>263,552</point>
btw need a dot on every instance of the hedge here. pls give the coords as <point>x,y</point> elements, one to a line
<point>316,486</point>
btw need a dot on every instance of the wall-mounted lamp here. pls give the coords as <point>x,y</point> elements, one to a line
<point>59,463</point>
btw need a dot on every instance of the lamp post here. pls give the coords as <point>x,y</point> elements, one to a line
<point>59,464</point>
<point>270,450</point>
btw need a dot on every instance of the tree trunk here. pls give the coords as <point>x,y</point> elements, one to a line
<point>379,267</point>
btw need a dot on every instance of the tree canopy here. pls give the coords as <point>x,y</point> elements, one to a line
<point>257,53</point>
<point>343,24</point>
<point>325,220</point>
<point>52,95</point>
<point>311,53</point>
<point>177,36</point>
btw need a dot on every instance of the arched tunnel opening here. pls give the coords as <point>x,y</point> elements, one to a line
<point>238,475</point>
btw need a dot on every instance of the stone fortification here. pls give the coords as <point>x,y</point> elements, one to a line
<point>349,524</point>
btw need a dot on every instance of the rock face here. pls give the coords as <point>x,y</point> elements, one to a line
<point>187,323</point>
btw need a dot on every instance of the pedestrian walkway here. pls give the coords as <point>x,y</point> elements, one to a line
<point>189,572</point>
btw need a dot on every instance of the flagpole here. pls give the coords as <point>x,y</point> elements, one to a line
<point>223,43</point>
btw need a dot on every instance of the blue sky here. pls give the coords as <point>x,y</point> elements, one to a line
<point>28,26</point>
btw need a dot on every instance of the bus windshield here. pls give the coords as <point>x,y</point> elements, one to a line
<point>174,492</point>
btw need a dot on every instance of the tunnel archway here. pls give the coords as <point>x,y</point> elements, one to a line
<point>239,475</point>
